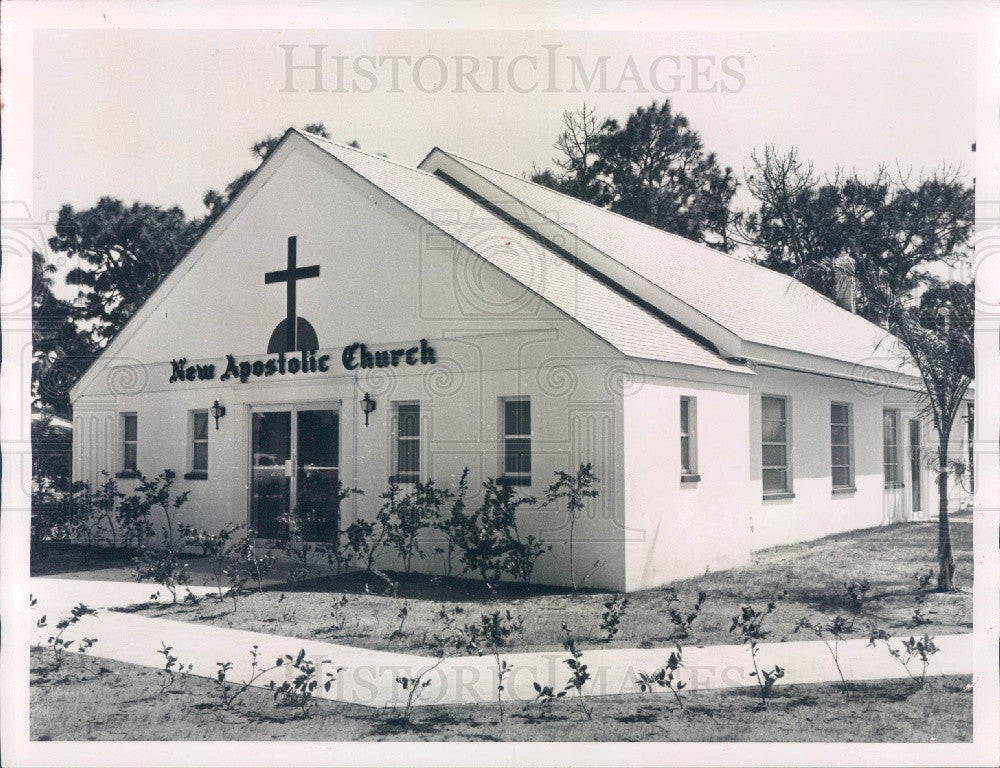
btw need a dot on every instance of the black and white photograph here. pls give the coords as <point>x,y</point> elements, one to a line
<point>500,384</point>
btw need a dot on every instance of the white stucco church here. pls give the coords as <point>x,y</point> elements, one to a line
<point>496,324</point>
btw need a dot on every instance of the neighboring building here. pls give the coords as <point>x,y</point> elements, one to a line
<point>499,325</point>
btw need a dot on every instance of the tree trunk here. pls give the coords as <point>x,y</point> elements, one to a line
<point>946,564</point>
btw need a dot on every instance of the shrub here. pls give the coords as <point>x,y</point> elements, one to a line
<point>227,690</point>
<point>492,632</point>
<point>908,651</point>
<point>575,489</point>
<point>172,670</point>
<point>409,514</point>
<point>666,676</point>
<point>489,540</point>
<point>298,689</point>
<point>683,621</point>
<point>611,618</point>
<point>453,524</point>
<point>749,624</point>
<point>920,598</point>
<point>162,566</point>
<point>248,563</point>
<point>56,642</point>
<point>219,548</point>
<point>579,675</point>
<point>836,628</point>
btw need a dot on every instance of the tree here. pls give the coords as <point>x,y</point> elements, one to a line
<point>653,169</point>
<point>937,335</point>
<point>124,252</point>
<point>216,201</point>
<point>60,351</point>
<point>892,229</point>
<point>579,147</point>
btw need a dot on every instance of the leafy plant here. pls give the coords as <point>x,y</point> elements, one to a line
<point>56,642</point>
<point>489,541</point>
<point>575,489</point>
<point>298,689</point>
<point>409,514</point>
<point>248,563</point>
<point>162,566</point>
<point>611,618</point>
<point>218,548</point>
<point>288,613</point>
<point>666,676</point>
<point>338,613</point>
<point>911,650</point>
<point>227,690</point>
<point>492,632</point>
<point>682,621</point>
<point>404,611</point>
<point>920,598</point>
<point>749,624</point>
<point>579,675</point>
<point>836,628</point>
<point>453,524</point>
<point>547,695</point>
<point>857,597</point>
<point>172,670</point>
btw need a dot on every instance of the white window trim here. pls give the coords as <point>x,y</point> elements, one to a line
<point>850,447</point>
<point>691,472</point>
<point>191,441</point>
<point>395,438</point>
<point>898,482</point>
<point>122,416</point>
<point>502,422</point>
<point>788,491</point>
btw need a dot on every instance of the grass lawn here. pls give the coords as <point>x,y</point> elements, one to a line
<point>98,699</point>
<point>813,573</point>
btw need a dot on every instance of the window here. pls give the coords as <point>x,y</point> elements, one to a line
<point>517,441</point>
<point>130,442</point>
<point>199,441</point>
<point>407,443</point>
<point>774,445</point>
<point>841,449</point>
<point>689,431</point>
<point>890,447</point>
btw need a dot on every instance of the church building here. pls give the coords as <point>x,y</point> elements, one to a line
<point>350,319</point>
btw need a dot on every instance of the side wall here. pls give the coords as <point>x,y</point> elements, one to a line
<point>814,509</point>
<point>682,527</point>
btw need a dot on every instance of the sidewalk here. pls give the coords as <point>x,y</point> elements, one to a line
<point>368,677</point>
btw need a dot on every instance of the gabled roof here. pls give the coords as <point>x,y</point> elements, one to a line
<point>757,304</point>
<point>628,327</point>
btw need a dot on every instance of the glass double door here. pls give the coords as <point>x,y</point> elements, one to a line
<point>295,470</point>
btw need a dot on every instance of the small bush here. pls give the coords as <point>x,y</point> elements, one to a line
<point>611,618</point>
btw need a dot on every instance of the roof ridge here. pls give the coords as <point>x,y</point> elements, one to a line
<point>791,280</point>
<point>366,153</point>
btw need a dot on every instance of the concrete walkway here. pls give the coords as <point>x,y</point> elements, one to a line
<point>369,677</point>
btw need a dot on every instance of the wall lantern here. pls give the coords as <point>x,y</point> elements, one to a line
<point>367,406</point>
<point>217,411</point>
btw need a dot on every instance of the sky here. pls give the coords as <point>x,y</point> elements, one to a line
<point>160,116</point>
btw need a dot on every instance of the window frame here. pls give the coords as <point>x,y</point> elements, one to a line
<point>849,445</point>
<point>896,481</point>
<point>125,470</point>
<point>689,468</point>
<point>520,479</point>
<point>786,491</point>
<point>196,473</point>
<point>396,475</point>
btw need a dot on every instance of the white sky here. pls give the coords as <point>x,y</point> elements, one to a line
<point>162,115</point>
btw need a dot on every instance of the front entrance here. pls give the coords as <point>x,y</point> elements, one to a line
<point>915,473</point>
<point>295,467</point>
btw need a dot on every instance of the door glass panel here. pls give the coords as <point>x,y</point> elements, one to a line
<point>270,483</point>
<point>318,473</point>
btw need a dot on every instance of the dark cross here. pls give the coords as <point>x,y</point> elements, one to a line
<point>290,275</point>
